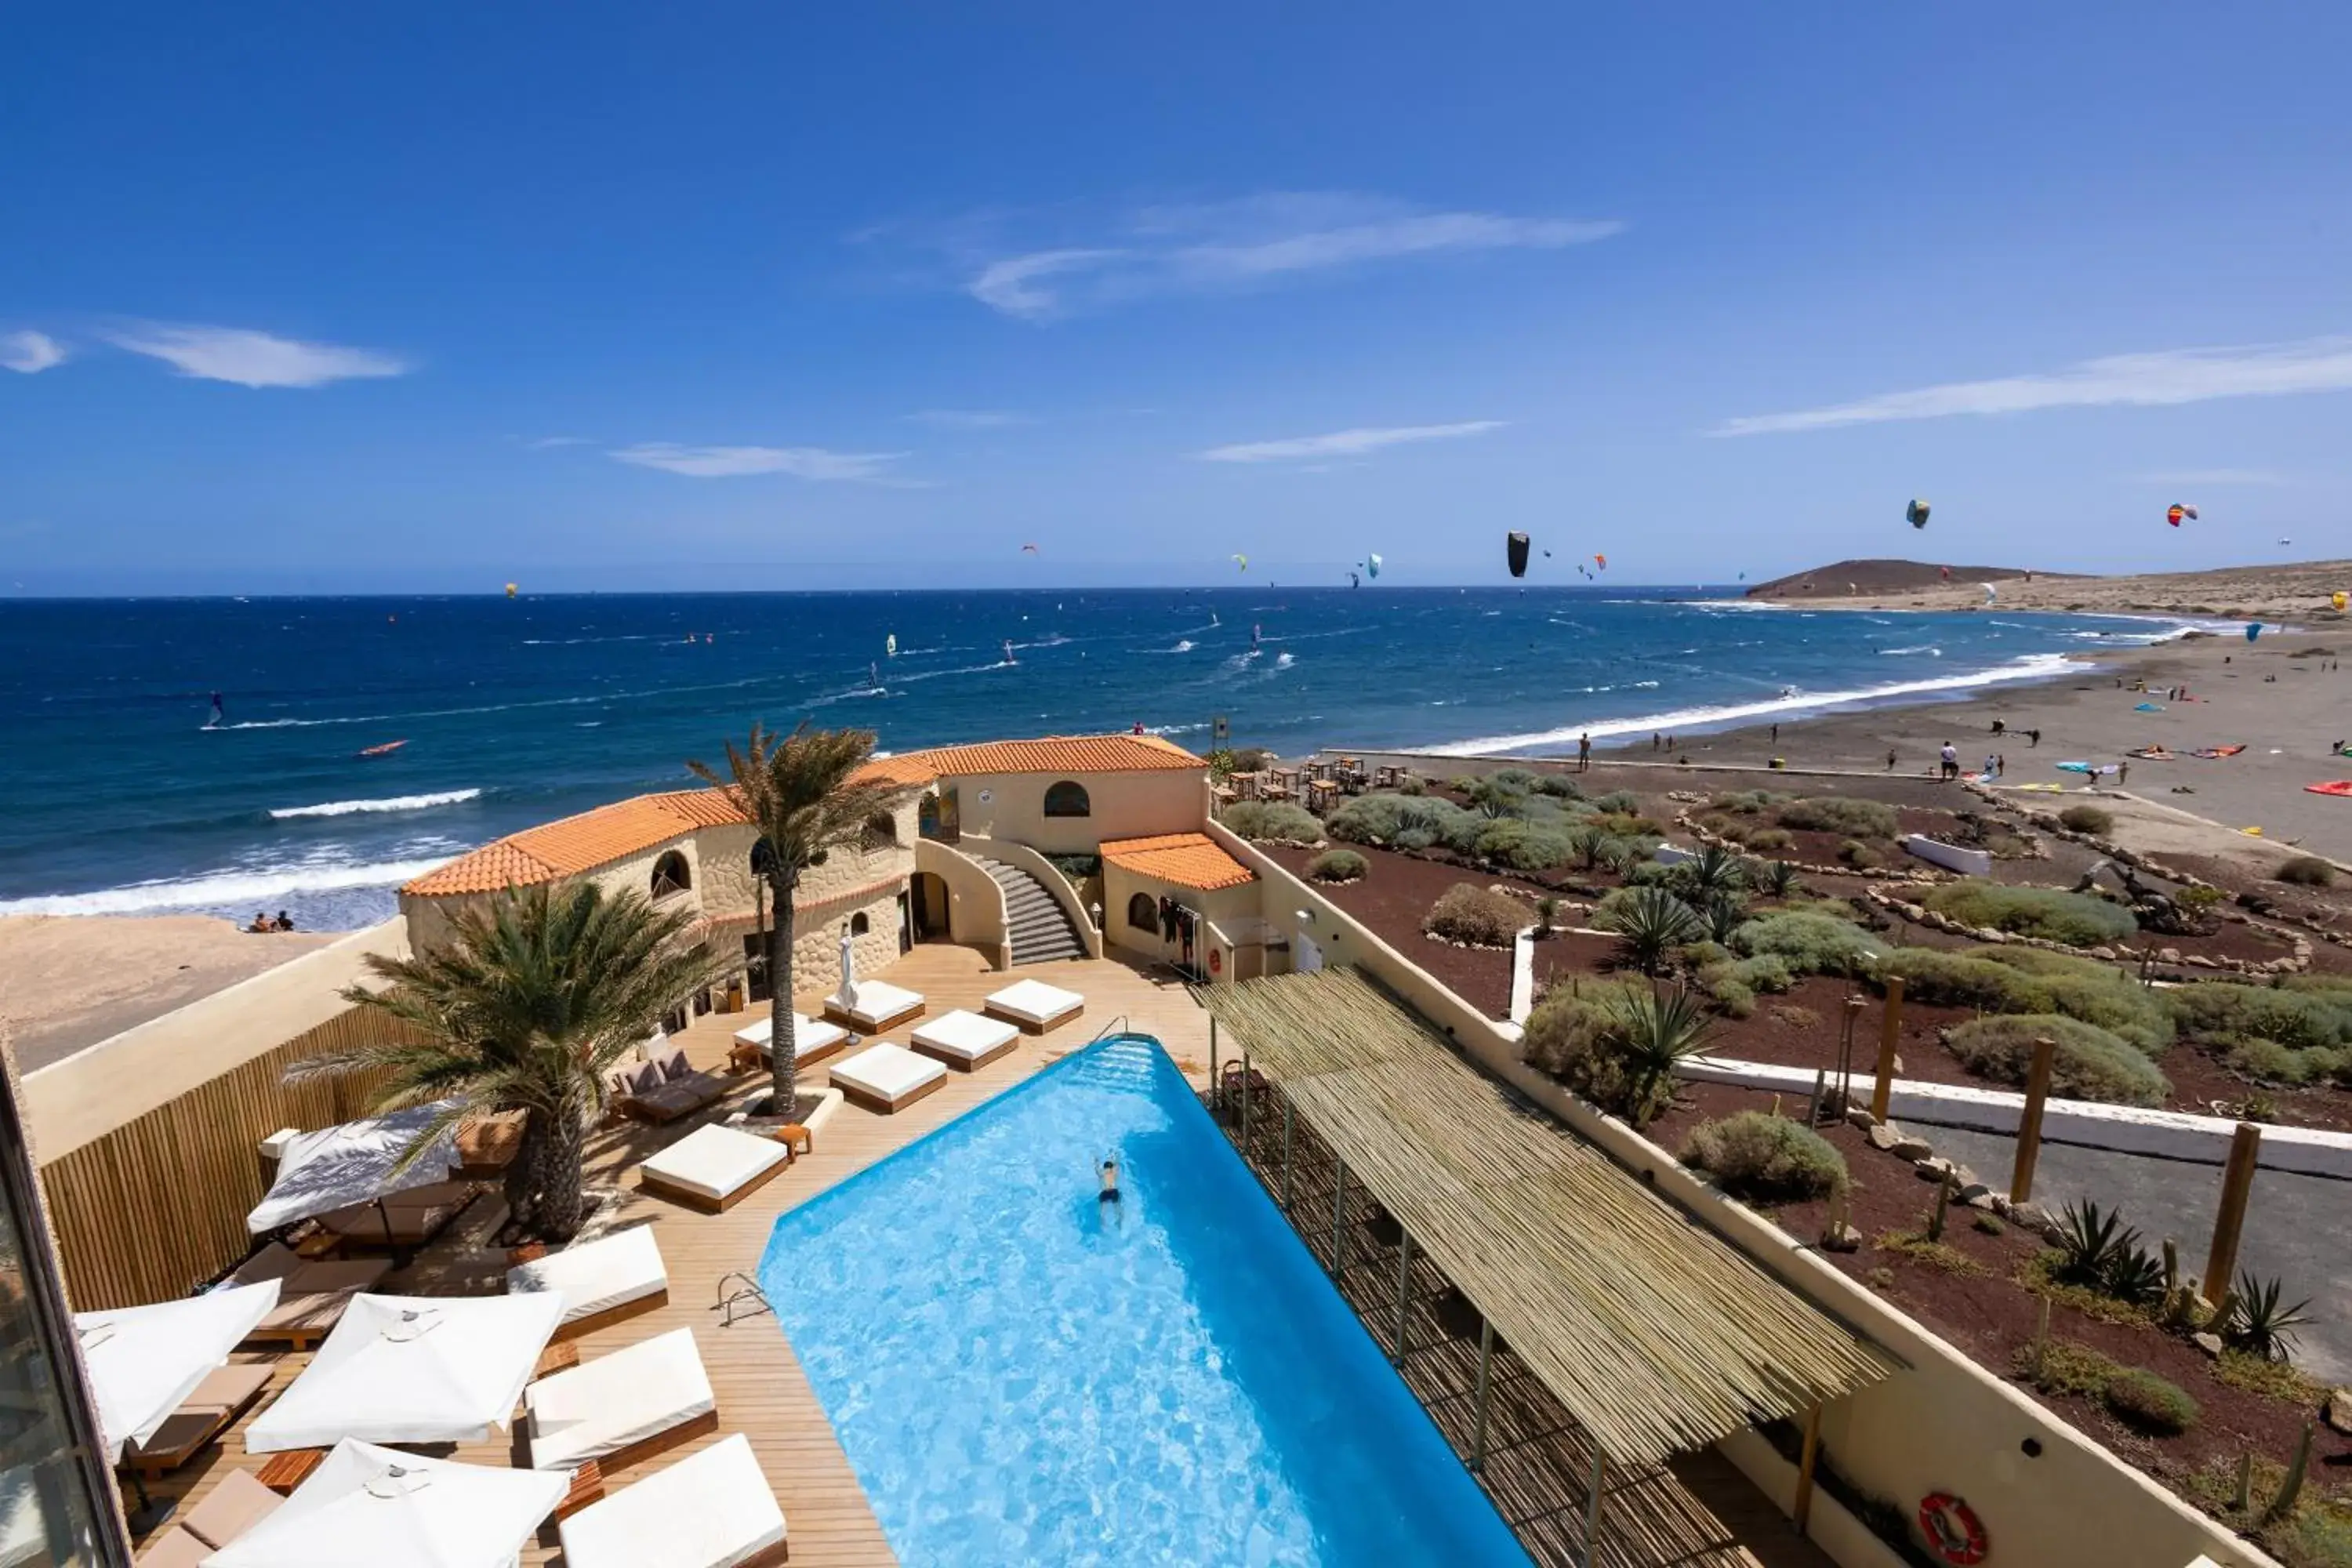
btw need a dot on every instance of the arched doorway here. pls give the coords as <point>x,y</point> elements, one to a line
<point>932,922</point>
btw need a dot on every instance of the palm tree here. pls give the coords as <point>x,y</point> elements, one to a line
<point>802,794</point>
<point>526,1008</point>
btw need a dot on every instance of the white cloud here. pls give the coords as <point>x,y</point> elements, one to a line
<point>251,358</point>
<point>1253,240</point>
<point>731,462</point>
<point>1344,443</point>
<point>2164,378</point>
<point>2216,477</point>
<point>29,353</point>
<point>969,418</point>
<point>549,443</point>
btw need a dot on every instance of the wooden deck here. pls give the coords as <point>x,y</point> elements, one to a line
<point>762,1391</point>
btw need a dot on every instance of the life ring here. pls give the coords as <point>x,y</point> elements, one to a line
<point>1216,960</point>
<point>1952,1528</point>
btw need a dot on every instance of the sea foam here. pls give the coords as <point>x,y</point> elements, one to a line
<point>391,803</point>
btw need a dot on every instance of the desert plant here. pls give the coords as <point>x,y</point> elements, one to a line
<point>2093,1246</point>
<point>2267,1061</point>
<point>2305,871</point>
<point>2140,1399</point>
<point>2088,819</point>
<point>1854,852</point>
<point>2075,920</point>
<point>1808,943</point>
<point>1769,840</point>
<point>1723,914</point>
<point>2091,1062</point>
<point>1618,802</point>
<point>1650,923</point>
<point>1654,1031</point>
<point>1477,916</point>
<point>1338,865</point>
<point>1272,822</point>
<point>1397,821</point>
<point>1840,814</point>
<point>1715,869</point>
<point>2257,1321</point>
<point>1547,911</point>
<point>1521,845</point>
<point>2300,1019</point>
<point>1766,1158</point>
<point>1780,878</point>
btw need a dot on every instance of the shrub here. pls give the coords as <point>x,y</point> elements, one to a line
<point>2267,1061</point>
<point>2098,1252</point>
<point>2258,1323</point>
<point>2088,819</point>
<point>1338,865</point>
<point>1766,972</point>
<point>1522,845</point>
<point>1479,916</point>
<point>1618,802</point>
<point>1725,989</point>
<point>2140,1399</point>
<point>1723,914</point>
<point>1650,923</point>
<point>1808,943</point>
<point>2305,871</point>
<point>1559,786</point>
<point>1860,855</point>
<point>1398,821</point>
<point>1746,802</point>
<point>2091,1063</point>
<point>1778,879</point>
<point>1272,821</point>
<point>1715,869</point>
<point>1840,814</point>
<point>1766,1158</point>
<point>1769,840</point>
<point>2023,980</point>
<point>2076,920</point>
<point>1617,1045</point>
<point>2225,1011</point>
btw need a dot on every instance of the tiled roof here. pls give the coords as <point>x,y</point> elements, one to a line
<point>1053,754</point>
<point>576,844</point>
<point>908,769</point>
<point>1187,859</point>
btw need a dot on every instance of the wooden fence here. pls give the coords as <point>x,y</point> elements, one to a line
<point>156,1207</point>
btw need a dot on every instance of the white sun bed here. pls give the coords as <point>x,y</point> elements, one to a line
<point>622,1407</point>
<point>601,1282</point>
<point>712,1511</point>
<point>965,1040</point>
<point>886,1078</point>
<point>876,1005</point>
<point>713,1168</point>
<point>814,1040</point>
<point>1034,1006</point>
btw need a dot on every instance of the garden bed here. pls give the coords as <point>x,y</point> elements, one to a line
<point>1394,898</point>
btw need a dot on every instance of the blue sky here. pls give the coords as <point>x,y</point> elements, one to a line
<point>305,297</point>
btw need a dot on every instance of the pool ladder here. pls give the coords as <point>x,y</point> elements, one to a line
<point>746,1295</point>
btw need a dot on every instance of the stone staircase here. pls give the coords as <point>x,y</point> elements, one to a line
<point>1035,919</point>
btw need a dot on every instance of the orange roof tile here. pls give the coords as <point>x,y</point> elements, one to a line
<point>908,769</point>
<point>575,844</point>
<point>1055,755</point>
<point>1187,859</point>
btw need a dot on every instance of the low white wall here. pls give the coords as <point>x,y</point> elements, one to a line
<point>976,904</point>
<point>1050,874</point>
<point>1943,1425</point>
<point>2126,1129</point>
<point>1950,857</point>
<point>1831,1527</point>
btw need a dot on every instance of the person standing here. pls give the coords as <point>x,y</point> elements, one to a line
<point>1948,760</point>
<point>1584,753</point>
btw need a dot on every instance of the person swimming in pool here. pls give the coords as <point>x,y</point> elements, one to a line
<point>1110,1174</point>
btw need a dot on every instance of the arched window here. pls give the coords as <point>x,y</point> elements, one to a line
<point>671,875</point>
<point>1068,799</point>
<point>1143,913</point>
<point>881,831</point>
<point>859,924</point>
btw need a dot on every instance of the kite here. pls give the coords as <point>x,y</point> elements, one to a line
<point>1602,561</point>
<point>1916,514</point>
<point>1028,550</point>
<point>2336,598</point>
<point>2253,630</point>
<point>1944,572</point>
<point>1515,552</point>
<point>1242,562</point>
<point>1371,566</point>
<point>2176,511</point>
<point>510,593</point>
<point>1991,592</point>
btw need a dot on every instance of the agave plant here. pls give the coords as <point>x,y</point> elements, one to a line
<point>2258,1323</point>
<point>1724,914</point>
<point>1715,869</point>
<point>1779,879</point>
<point>1650,924</point>
<point>1587,843</point>
<point>2137,1276</point>
<point>2093,1246</point>
<point>1650,1032</point>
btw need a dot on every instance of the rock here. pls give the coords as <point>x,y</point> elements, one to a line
<point>2198,960</point>
<point>1993,935</point>
<point>1976,1196</point>
<point>2209,1344</point>
<point>2169,956</point>
<point>1903,1145</point>
<point>2337,1411</point>
<point>1841,1237</point>
<point>1860,1116</point>
<point>2031,1216</point>
<point>2107,953</point>
<point>1935,1168</point>
<point>1898,1064</point>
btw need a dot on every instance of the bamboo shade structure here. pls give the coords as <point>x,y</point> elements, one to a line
<point>1655,1334</point>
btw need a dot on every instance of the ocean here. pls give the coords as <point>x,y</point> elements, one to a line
<point>118,798</point>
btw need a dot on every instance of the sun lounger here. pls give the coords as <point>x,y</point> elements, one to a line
<point>876,1006</point>
<point>601,1282</point>
<point>1034,1006</point>
<point>404,1220</point>
<point>312,1296</point>
<point>886,1078</point>
<point>668,1087</point>
<point>235,1506</point>
<point>965,1041</point>
<point>712,1511</point>
<point>225,1393</point>
<point>623,1408</point>
<point>814,1040</point>
<point>713,1168</point>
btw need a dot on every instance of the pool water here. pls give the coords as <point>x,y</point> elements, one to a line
<point>1023,1373</point>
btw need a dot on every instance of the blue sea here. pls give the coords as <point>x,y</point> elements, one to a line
<point>116,798</point>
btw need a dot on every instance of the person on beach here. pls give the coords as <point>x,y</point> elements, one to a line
<point>1584,753</point>
<point>1989,771</point>
<point>1776,734</point>
<point>2123,772</point>
<point>260,926</point>
<point>2032,738</point>
<point>1950,761</point>
<point>283,922</point>
<point>2000,763</point>
<point>1890,759</point>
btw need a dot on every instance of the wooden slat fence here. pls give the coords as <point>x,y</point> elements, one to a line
<point>156,1207</point>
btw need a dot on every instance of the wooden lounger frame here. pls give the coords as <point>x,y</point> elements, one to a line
<point>150,1465</point>
<point>703,1203</point>
<point>955,1063</point>
<point>620,1312</point>
<point>883,1104</point>
<point>880,1024</point>
<point>1029,1027</point>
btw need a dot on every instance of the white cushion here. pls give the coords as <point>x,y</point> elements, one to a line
<point>808,1034</point>
<point>1034,1002</point>
<point>967,1036</point>
<point>887,1071</point>
<point>877,1000</point>
<point>712,1511</point>
<point>601,1406</point>
<point>599,1275</point>
<point>715,1161</point>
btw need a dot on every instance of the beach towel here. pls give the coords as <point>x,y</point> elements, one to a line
<point>2045,788</point>
<point>2093,769</point>
<point>2211,754</point>
<point>2150,754</point>
<point>2341,788</point>
<point>2148,708</point>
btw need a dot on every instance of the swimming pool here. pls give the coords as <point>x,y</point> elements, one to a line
<point>1021,1373</point>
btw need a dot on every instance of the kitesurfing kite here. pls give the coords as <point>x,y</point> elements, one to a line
<point>1028,550</point>
<point>1991,592</point>
<point>1602,561</point>
<point>1944,573</point>
<point>2176,511</point>
<point>1242,562</point>
<point>1916,514</point>
<point>1371,566</point>
<point>1514,551</point>
<point>2337,598</point>
<point>2253,630</point>
<point>510,590</point>
<point>890,644</point>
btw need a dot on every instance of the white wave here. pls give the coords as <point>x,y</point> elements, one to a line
<point>1916,647</point>
<point>257,886</point>
<point>1173,729</point>
<point>1283,662</point>
<point>393,803</point>
<point>2036,667</point>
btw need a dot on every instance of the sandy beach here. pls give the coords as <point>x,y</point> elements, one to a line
<point>70,981</point>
